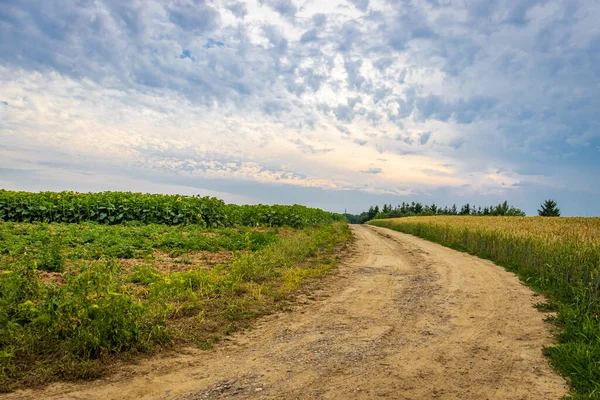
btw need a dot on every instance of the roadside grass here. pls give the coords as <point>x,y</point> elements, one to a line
<point>559,257</point>
<point>103,312</point>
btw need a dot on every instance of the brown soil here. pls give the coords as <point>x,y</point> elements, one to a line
<point>164,263</point>
<point>285,231</point>
<point>403,319</point>
<point>52,278</point>
<point>49,278</point>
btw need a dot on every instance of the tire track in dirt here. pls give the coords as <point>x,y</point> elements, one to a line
<point>403,319</point>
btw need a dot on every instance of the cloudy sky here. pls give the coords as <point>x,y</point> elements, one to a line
<point>334,104</point>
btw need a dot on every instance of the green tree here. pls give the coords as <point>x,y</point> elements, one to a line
<point>371,213</point>
<point>466,209</point>
<point>434,209</point>
<point>549,209</point>
<point>418,208</point>
<point>501,209</point>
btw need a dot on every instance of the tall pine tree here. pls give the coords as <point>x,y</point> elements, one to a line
<point>549,209</point>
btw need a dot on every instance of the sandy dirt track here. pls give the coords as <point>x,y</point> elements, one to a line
<point>403,319</point>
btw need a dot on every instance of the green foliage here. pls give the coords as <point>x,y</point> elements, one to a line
<point>144,275</point>
<point>50,245</point>
<point>578,353</point>
<point>50,258</point>
<point>91,315</point>
<point>549,209</point>
<point>65,330</point>
<point>119,207</point>
<point>417,209</point>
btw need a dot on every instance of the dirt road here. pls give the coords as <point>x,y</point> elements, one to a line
<point>403,319</point>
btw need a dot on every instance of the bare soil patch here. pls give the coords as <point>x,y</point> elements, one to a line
<point>164,263</point>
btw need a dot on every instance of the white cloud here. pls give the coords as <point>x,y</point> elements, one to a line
<point>305,93</point>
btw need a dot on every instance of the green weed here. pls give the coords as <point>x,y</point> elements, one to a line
<point>66,331</point>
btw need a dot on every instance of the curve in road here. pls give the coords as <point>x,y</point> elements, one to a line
<point>403,319</point>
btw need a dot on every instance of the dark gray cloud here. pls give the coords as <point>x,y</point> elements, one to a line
<point>362,5</point>
<point>464,111</point>
<point>456,143</point>
<point>283,7</point>
<point>355,79</point>
<point>350,35</point>
<point>344,113</point>
<point>309,36</point>
<point>433,107</point>
<point>344,130</point>
<point>238,9</point>
<point>404,138</point>
<point>274,107</point>
<point>319,20</point>
<point>424,138</point>
<point>196,17</point>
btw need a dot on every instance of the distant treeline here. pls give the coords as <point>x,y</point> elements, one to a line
<point>418,209</point>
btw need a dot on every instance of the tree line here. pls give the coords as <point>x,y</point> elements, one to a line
<point>417,209</point>
<point>548,209</point>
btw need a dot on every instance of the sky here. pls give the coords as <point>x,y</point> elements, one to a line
<point>330,104</point>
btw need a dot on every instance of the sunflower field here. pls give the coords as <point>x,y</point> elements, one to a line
<point>117,207</point>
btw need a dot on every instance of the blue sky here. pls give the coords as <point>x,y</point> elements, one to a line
<point>334,104</point>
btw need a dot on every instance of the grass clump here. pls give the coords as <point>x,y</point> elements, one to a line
<point>44,328</point>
